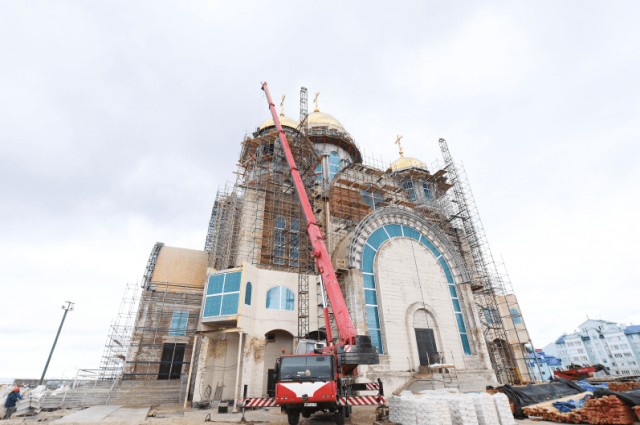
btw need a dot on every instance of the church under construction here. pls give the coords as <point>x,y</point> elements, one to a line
<point>407,244</point>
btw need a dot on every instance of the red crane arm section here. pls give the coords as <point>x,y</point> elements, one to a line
<point>320,253</point>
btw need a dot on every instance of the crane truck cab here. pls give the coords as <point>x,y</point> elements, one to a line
<point>309,383</point>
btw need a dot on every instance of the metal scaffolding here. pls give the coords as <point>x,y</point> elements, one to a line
<point>119,336</point>
<point>163,332</point>
<point>504,330</point>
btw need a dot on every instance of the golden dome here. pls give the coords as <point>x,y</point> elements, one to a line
<point>406,162</point>
<point>284,121</point>
<point>321,118</point>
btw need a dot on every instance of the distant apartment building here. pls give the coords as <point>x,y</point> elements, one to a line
<point>613,345</point>
<point>542,365</point>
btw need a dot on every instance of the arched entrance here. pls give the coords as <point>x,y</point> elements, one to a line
<point>429,351</point>
<point>275,341</point>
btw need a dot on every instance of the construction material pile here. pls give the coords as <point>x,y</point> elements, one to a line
<point>607,410</point>
<point>448,407</point>
<point>596,411</point>
<point>31,401</point>
<point>553,416</point>
<point>623,386</point>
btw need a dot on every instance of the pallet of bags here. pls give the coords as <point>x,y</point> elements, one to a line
<point>485,408</point>
<point>404,409</point>
<point>463,412</point>
<point>623,386</point>
<point>607,410</point>
<point>433,411</point>
<point>503,409</point>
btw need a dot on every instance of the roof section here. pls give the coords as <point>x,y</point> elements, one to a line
<point>632,329</point>
<point>561,339</point>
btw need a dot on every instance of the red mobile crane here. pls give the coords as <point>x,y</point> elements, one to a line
<point>316,381</point>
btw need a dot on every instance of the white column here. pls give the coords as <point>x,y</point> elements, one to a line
<point>235,393</point>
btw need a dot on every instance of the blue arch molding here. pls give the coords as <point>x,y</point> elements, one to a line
<point>370,294</point>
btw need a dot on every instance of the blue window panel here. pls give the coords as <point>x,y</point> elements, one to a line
<point>394,230</point>
<point>367,259</point>
<point>247,294</point>
<point>408,231</point>
<point>465,343</point>
<point>515,316</point>
<point>232,282</point>
<point>179,323</point>
<point>318,171</point>
<point>445,267</point>
<point>212,306</point>
<point>427,191</point>
<point>273,298</point>
<point>424,241</point>
<point>230,304</point>
<point>334,164</point>
<point>452,290</point>
<point>456,306</point>
<point>370,297</point>
<point>373,321</point>
<point>215,284</point>
<point>460,321</point>
<point>377,237</point>
<point>376,340</point>
<point>369,281</point>
<point>288,299</point>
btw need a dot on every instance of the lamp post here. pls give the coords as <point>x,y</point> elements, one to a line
<point>67,308</point>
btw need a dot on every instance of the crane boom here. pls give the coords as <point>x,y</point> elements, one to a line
<point>323,261</point>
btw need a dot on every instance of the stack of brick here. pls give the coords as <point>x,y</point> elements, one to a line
<point>623,386</point>
<point>607,410</point>
<point>503,409</point>
<point>485,409</point>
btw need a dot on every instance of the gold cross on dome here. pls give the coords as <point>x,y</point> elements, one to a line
<point>400,146</point>
<point>315,100</point>
<point>282,105</point>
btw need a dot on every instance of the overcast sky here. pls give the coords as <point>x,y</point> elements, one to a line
<point>120,120</point>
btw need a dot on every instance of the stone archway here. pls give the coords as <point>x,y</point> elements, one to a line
<point>275,341</point>
<point>420,318</point>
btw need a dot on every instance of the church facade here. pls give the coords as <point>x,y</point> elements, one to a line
<point>407,273</point>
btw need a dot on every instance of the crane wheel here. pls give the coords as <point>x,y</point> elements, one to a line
<point>340,415</point>
<point>294,418</point>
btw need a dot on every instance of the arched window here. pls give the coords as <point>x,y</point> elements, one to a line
<point>247,294</point>
<point>280,298</point>
<point>334,164</point>
<point>515,316</point>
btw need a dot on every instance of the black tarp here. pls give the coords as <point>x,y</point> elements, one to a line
<point>527,395</point>
<point>632,398</point>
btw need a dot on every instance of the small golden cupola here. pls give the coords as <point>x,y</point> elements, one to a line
<point>405,162</point>
<point>285,121</point>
